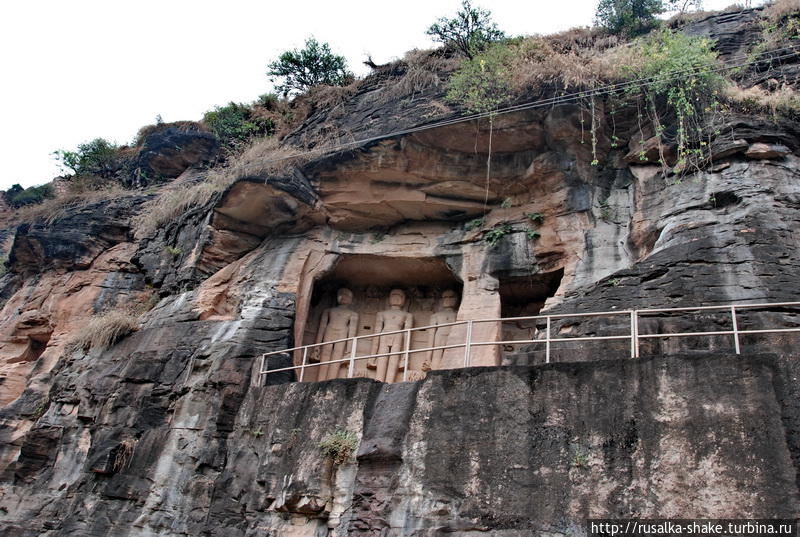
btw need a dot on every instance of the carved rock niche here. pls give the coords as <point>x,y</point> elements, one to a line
<point>371,279</point>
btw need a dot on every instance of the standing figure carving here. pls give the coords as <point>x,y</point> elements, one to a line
<point>438,336</point>
<point>395,318</point>
<point>339,322</point>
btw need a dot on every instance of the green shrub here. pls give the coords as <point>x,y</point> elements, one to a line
<point>628,17</point>
<point>98,157</point>
<point>482,83</point>
<point>235,124</point>
<point>16,196</point>
<point>268,100</point>
<point>314,65</point>
<point>339,445</point>
<point>470,31</point>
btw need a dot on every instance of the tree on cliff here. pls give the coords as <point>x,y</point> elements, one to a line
<point>98,157</point>
<point>634,17</point>
<point>313,65</point>
<point>470,31</point>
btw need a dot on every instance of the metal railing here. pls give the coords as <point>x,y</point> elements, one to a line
<point>634,336</point>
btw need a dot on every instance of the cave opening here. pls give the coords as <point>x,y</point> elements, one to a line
<point>35,347</point>
<point>525,296</point>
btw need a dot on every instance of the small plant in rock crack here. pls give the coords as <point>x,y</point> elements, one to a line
<point>124,454</point>
<point>532,234</point>
<point>339,445</point>
<point>614,282</point>
<point>258,433</point>
<point>536,218</point>
<point>494,235</point>
<point>606,212</point>
<point>506,203</point>
<point>41,408</point>
<point>174,251</point>
<point>474,224</point>
<point>580,456</point>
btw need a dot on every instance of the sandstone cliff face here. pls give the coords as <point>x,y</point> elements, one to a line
<point>169,432</point>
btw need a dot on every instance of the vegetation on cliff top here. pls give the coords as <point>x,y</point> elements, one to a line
<point>481,71</point>
<point>299,70</point>
<point>470,31</point>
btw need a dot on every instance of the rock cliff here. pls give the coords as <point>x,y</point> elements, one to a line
<point>169,431</point>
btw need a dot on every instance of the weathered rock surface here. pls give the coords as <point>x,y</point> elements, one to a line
<point>74,240</point>
<point>170,432</point>
<point>646,438</point>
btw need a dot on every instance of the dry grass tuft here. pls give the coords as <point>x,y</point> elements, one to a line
<point>777,10</point>
<point>80,191</point>
<point>331,97</point>
<point>173,202</point>
<point>783,101</point>
<point>572,59</point>
<point>105,328</point>
<point>421,69</point>
<point>261,159</point>
<point>124,454</point>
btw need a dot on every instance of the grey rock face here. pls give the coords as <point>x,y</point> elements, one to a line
<point>450,453</point>
<point>74,240</point>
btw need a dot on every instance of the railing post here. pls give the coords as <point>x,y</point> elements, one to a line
<point>735,330</point>
<point>261,371</point>
<point>405,354</point>
<point>303,364</point>
<point>633,334</point>
<point>547,343</point>
<point>351,367</point>
<point>468,343</point>
<point>636,326</point>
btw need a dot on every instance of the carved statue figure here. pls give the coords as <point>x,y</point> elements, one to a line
<point>336,323</point>
<point>395,318</point>
<point>438,335</point>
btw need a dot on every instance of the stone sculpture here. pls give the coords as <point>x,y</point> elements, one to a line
<point>395,318</point>
<point>339,322</point>
<point>438,335</point>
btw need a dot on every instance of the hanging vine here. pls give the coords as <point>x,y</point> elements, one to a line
<point>687,101</point>
<point>481,85</point>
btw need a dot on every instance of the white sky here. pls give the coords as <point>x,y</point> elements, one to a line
<point>74,70</point>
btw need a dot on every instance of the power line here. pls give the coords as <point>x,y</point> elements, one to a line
<point>541,103</point>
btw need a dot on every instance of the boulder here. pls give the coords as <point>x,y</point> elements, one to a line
<point>168,153</point>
